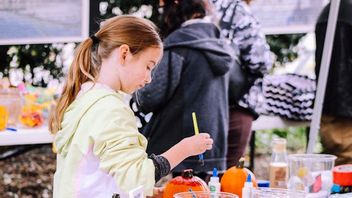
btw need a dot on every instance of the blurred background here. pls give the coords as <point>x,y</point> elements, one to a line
<point>27,170</point>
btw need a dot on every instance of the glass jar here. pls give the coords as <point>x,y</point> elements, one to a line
<point>11,100</point>
<point>278,173</point>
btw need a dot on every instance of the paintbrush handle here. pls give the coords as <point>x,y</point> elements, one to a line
<point>195,124</point>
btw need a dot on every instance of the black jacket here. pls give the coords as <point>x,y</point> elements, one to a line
<point>338,94</point>
<point>191,77</point>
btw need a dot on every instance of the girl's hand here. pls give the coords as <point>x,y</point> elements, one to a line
<point>190,146</point>
<point>197,144</point>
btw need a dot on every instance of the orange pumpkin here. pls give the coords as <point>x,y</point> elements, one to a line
<point>234,178</point>
<point>183,183</point>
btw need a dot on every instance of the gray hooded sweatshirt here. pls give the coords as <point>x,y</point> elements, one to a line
<point>191,77</point>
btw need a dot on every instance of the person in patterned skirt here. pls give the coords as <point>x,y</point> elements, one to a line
<point>239,25</point>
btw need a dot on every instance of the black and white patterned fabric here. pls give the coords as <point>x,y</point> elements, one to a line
<point>290,96</point>
<point>238,24</point>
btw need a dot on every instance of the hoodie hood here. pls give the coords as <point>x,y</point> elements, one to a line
<point>205,37</point>
<point>73,116</point>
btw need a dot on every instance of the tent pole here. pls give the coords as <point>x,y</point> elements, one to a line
<point>323,74</point>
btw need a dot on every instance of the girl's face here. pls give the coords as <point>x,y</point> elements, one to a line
<point>138,69</point>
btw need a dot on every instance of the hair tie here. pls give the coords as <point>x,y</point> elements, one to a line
<point>94,39</point>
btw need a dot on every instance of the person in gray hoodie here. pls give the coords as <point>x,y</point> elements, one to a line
<point>193,76</point>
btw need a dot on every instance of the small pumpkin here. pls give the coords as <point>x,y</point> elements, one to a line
<point>234,178</point>
<point>183,183</point>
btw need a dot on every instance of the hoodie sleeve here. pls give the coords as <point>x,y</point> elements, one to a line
<point>165,79</point>
<point>119,146</point>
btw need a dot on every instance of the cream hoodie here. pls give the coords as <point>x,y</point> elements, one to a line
<point>100,151</point>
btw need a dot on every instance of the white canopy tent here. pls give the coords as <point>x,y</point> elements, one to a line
<point>319,98</point>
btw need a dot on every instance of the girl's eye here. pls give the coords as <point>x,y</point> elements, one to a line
<point>149,68</point>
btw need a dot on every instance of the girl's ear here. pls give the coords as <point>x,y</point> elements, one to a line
<point>124,51</point>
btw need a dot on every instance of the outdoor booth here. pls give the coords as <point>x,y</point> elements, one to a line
<point>291,16</point>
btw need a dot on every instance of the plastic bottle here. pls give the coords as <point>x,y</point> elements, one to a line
<point>278,173</point>
<point>247,188</point>
<point>214,184</point>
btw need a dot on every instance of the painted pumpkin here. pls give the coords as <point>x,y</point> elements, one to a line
<point>183,183</point>
<point>234,178</point>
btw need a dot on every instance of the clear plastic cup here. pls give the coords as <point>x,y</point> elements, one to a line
<point>11,99</point>
<point>311,173</point>
<point>202,194</point>
<point>276,193</point>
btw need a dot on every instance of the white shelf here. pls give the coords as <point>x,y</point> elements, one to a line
<point>38,135</point>
<point>275,122</point>
<point>41,135</point>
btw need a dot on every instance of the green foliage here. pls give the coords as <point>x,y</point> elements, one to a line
<point>30,58</point>
<point>283,46</point>
<point>4,60</point>
<point>296,139</point>
<point>128,7</point>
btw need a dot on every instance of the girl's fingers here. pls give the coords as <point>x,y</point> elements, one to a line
<point>209,141</point>
<point>206,135</point>
<point>209,147</point>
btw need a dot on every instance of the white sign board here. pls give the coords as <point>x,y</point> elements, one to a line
<point>287,16</point>
<point>43,21</point>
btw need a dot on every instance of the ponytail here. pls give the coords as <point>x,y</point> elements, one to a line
<point>81,70</point>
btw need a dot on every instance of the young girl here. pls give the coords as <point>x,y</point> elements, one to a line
<point>99,149</point>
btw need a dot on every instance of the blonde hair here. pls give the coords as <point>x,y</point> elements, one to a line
<point>137,33</point>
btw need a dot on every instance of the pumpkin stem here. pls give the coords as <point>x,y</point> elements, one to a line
<point>240,163</point>
<point>187,173</point>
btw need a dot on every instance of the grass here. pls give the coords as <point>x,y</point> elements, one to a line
<point>296,140</point>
